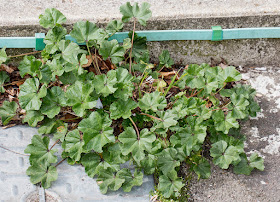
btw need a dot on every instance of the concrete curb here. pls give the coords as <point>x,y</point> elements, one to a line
<point>186,14</point>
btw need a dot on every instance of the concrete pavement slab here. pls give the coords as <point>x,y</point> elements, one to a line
<point>263,137</point>
<point>72,184</point>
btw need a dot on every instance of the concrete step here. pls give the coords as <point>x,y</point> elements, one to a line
<point>20,18</point>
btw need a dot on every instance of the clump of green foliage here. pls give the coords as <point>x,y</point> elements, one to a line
<point>154,124</point>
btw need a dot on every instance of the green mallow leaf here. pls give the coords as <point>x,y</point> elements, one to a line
<point>165,59</point>
<point>90,161</point>
<point>186,106</point>
<point>152,101</point>
<point>139,46</point>
<point>4,77</point>
<point>111,159</point>
<point>46,74</point>
<point>53,68</point>
<point>114,26</point>
<point>33,117</point>
<point>142,13</point>
<point>108,179</point>
<point>97,131</point>
<point>86,32</point>
<point>61,132</point>
<point>124,84</point>
<point>256,162</point>
<point>65,155</point>
<point>223,155</point>
<point>130,180</point>
<point>168,118</point>
<point>39,151</point>
<point>239,106</point>
<point>8,111</point>
<point>53,101</point>
<point>167,160</point>
<point>51,18</point>
<point>170,185</point>
<point>253,108</point>
<point>122,109</point>
<point>202,169</point>
<point>70,52</point>
<point>211,79</point>
<point>149,164</point>
<point>50,126</point>
<point>127,43</point>
<point>137,146</point>
<point>245,91</point>
<point>79,96</point>
<point>29,65</point>
<point>73,144</point>
<point>42,173</point>
<point>3,55</point>
<point>53,37</point>
<point>230,74</point>
<point>238,142</point>
<point>189,139</point>
<point>195,76</point>
<point>105,84</point>
<point>223,123</point>
<point>30,95</point>
<point>245,167</point>
<point>112,50</point>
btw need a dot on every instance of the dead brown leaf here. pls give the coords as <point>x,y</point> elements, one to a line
<point>11,91</point>
<point>6,68</point>
<point>9,126</point>
<point>89,61</point>
<point>11,98</point>
<point>167,74</point>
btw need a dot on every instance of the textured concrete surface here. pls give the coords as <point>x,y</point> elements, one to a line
<point>26,12</point>
<point>263,136</point>
<point>72,184</point>
<point>167,14</point>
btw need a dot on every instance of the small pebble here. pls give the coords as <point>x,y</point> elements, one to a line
<point>245,77</point>
<point>260,68</point>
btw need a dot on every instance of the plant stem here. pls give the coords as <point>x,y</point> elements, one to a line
<point>196,93</point>
<point>20,55</point>
<point>173,80</point>
<point>218,109</point>
<point>137,131</point>
<point>143,78</point>
<point>13,151</point>
<point>181,77</point>
<point>95,57</point>
<point>13,83</point>
<point>221,88</point>
<point>54,144</point>
<point>130,55</point>
<point>59,162</point>
<point>171,84</point>
<point>139,90</point>
<point>71,119</point>
<point>161,69</point>
<point>151,116</point>
<point>226,104</point>
<point>95,67</point>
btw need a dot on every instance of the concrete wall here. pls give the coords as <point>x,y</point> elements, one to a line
<point>169,15</point>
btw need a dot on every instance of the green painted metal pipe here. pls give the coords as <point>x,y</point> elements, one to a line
<point>214,34</point>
